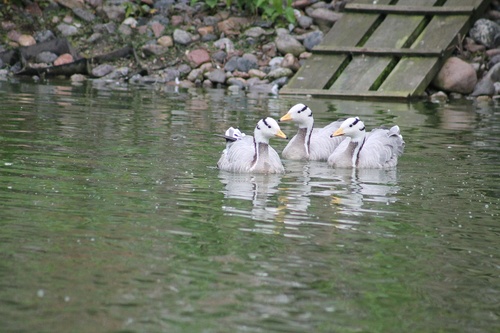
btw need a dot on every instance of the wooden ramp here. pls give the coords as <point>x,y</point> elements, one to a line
<point>385,48</point>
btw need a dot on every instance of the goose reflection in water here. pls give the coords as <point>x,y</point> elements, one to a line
<point>257,189</point>
<point>349,196</point>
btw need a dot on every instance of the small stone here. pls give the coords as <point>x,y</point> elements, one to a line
<point>26,40</point>
<point>84,14</point>
<point>198,57</point>
<point>182,37</point>
<point>176,20</point>
<point>239,74</point>
<point>13,35</point>
<point>324,18</point>
<point>254,32</point>
<point>157,28</point>
<point>207,84</point>
<point>165,41</point>
<point>44,36</point>
<point>78,78</point>
<point>246,63</point>
<point>219,56</point>
<point>276,62</point>
<point>154,49</point>
<point>278,73</point>
<point>257,73</point>
<point>290,61</point>
<point>209,38</point>
<point>312,39</point>
<point>217,76</point>
<point>46,57</point>
<point>270,50</point>
<point>63,59</point>
<point>96,36</point>
<point>130,21</point>
<point>288,44</point>
<point>170,74</point>
<point>203,31</point>
<point>231,64</point>
<point>195,74</point>
<point>236,81</point>
<point>102,70</point>
<point>305,22</point>
<point>439,97</point>
<point>232,25</point>
<point>67,30</point>
<point>225,44</point>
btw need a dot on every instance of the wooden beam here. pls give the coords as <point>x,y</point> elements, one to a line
<point>380,51</point>
<point>417,10</point>
<point>399,95</point>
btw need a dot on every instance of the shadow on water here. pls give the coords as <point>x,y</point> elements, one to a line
<point>115,219</point>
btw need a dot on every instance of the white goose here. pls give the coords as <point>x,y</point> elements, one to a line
<point>376,150</point>
<point>309,143</point>
<point>248,154</point>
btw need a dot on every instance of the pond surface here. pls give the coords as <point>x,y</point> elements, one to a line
<point>114,218</point>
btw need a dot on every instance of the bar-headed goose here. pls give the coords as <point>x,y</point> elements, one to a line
<point>249,154</point>
<point>378,149</point>
<point>309,143</point>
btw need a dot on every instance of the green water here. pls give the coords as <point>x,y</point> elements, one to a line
<point>113,218</point>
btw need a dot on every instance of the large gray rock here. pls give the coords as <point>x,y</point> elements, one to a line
<point>287,44</point>
<point>456,75</point>
<point>486,86</point>
<point>324,17</point>
<point>486,32</point>
<point>314,38</point>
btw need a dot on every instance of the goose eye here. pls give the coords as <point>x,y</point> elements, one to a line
<point>350,125</point>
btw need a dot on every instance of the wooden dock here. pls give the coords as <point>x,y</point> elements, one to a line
<point>385,48</point>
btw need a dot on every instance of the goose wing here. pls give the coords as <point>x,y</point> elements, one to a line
<point>381,148</point>
<point>322,145</point>
<point>239,156</point>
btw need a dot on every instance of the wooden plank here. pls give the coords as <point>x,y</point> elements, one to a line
<point>373,58</point>
<point>320,69</point>
<point>350,31</point>
<point>362,72</point>
<point>414,74</point>
<point>347,94</point>
<point>416,10</point>
<point>411,75</point>
<point>383,51</point>
<point>316,71</point>
<point>448,26</point>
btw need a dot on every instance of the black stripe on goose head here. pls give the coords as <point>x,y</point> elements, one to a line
<point>265,122</point>
<point>356,120</point>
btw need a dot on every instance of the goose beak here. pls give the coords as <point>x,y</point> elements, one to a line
<point>282,135</point>
<point>338,132</point>
<point>286,117</point>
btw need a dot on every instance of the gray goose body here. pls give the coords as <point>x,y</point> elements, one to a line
<point>314,144</point>
<point>378,149</point>
<point>253,154</point>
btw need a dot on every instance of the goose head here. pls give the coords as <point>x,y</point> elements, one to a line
<point>300,114</point>
<point>267,128</point>
<point>353,128</point>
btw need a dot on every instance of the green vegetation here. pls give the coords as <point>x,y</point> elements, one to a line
<point>268,9</point>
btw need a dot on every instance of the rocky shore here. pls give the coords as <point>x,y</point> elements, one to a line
<point>188,44</point>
